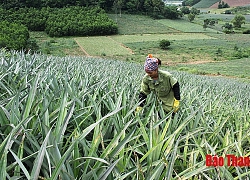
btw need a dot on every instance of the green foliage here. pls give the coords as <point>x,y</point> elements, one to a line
<point>228,12</point>
<point>185,10</point>
<point>194,11</point>
<point>222,4</point>
<point>172,12</point>
<point>210,22</point>
<point>63,119</point>
<point>242,10</point>
<point>71,21</point>
<point>151,8</point>
<point>32,18</point>
<point>241,53</point>
<point>164,44</point>
<point>227,28</point>
<point>228,68</point>
<point>79,21</point>
<point>238,20</point>
<point>246,31</point>
<point>13,36</point>
<point>191,17</point>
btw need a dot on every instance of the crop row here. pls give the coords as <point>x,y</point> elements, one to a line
<point>73,118</point>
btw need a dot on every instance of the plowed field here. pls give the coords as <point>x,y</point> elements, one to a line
<point>233,3</point>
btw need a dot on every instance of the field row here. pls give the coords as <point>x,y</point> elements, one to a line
<point>114,45</point>
<point>73,118</point>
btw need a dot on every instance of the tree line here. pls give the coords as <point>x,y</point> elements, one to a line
<point>67,21</point>
<point>74,17</point>
<point>153,8</point>
<point>56,22</point>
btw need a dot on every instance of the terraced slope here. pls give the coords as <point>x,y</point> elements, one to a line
<point>233,3</point>
<point>205,3</point>
<point>214,3</point>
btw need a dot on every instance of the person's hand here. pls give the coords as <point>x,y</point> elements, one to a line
<point>176,105</point>
<point>138,109</point>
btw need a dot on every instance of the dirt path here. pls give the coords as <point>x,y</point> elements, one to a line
<point>85,52</point>
<point>130,50</point>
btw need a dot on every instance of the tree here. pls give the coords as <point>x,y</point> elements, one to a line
<point>13,36</point>
<point>222,5</point>
<point>118,5</point>
<point>194,11</point>
<point>238,20</point>
<point>191,17</point>
<point>227,28</point>
<point>185,10</point>
<point>164,44</point>
<point>206,22</point>
<point>171,12</point>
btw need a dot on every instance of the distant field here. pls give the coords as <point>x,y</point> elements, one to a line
<point>102,46</point>
<point>138,24</point>
<point>140,35</point>
<point>222,17</point>
<point>125,45</point>
<point>157,37</point>
<point>185,26</point>
<point>234,68</point>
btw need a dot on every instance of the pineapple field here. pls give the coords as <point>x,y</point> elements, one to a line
<point>73,118</point>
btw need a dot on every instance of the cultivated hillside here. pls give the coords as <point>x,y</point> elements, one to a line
<point>205,3</point>
<point>233,3</point>
<point>214,3</point>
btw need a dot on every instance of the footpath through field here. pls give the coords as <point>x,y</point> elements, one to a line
<point>81,47</point>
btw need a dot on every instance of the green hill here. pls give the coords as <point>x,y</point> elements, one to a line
<point>205,3</point>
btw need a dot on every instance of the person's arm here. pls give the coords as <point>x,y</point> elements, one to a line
<point>142,99</point>
<point>144,91</point>
<point>176,89</point>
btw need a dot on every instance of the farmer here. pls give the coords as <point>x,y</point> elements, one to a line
<point>162,83</point>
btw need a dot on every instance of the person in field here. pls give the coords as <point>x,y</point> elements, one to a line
<point>162,83</point>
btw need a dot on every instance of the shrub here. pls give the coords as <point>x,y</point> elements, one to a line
<point>228,12</point>
<point>238,20</point>
<point>191,17</point>
<point>164,44</point>
<point>13,36</point>
<point>246,31</point>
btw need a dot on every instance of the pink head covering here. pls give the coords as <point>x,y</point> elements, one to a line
<point>151,64</point>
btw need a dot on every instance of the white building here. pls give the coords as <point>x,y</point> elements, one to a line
<point>173,3</point>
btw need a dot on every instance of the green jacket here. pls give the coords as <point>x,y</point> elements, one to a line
<point>163,88</point>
